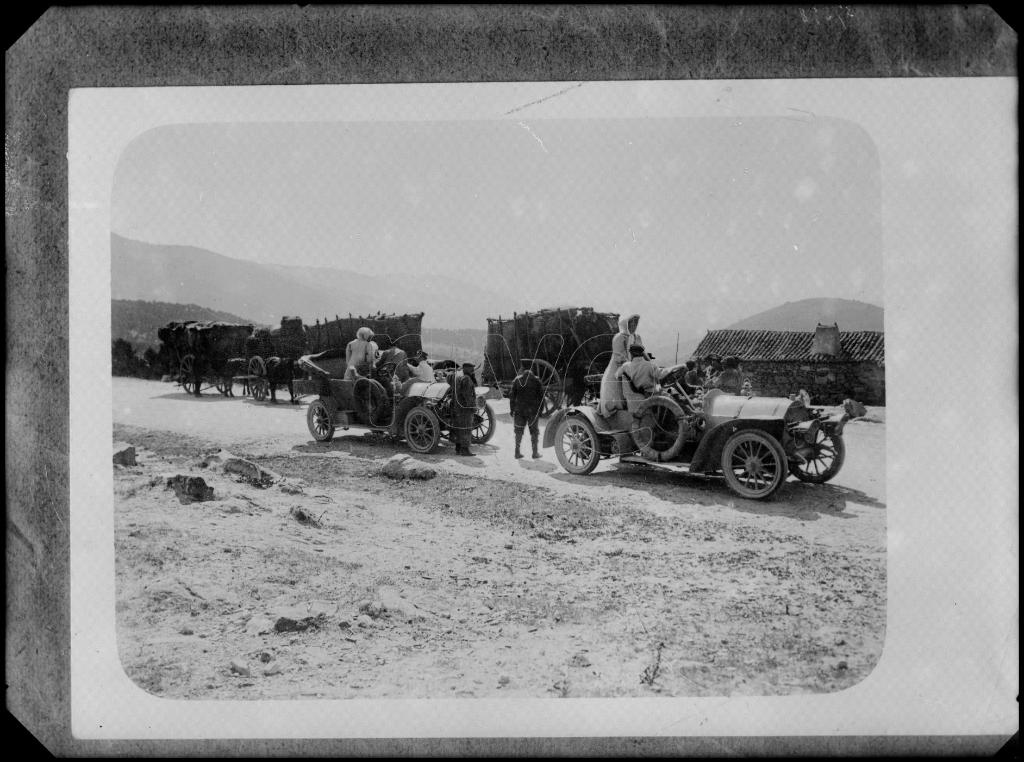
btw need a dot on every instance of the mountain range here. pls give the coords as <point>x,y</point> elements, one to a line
<point>153,284</point>
<point>263,293</point>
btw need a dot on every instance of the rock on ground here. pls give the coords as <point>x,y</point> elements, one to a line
<point>403,467</point>
<point>249,471</point>
<point>124,454</point>
<point>190,489</point>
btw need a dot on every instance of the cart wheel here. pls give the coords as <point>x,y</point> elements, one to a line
<point>320,421</point>
<point>257,367</point>
<point>576,445</point>
<point>483,424</point>
<point>754,464</point>
<point>422,429</point>
<point>829,454</point>
<point>186,371</point>
<point>554,394</point>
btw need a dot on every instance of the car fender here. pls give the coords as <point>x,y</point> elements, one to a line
<point>709,451</point>
<point>559,415</point>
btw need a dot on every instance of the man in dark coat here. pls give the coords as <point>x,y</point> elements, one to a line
<point>729,380</point>
<point>463,406</point>
<point>524,403</point>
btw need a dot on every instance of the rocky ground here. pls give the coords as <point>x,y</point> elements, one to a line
<point>312,573</point>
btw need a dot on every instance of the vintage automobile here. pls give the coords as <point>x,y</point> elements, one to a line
<point>753,442</point>
<point>417,411</point>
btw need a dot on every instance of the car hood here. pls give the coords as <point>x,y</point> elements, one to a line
<point>724,407</point>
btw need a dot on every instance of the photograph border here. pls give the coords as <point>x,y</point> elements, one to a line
<point>118,47</point>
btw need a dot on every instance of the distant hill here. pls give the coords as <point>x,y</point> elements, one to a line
<point>805,314</point>
<point>191,275</point>
<point>137,321</point>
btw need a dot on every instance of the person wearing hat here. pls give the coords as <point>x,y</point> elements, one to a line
<point>360,354</point>
<point>524,402</point>
<point>712,367</point>
<point>463,384</point>
<point>639,377</point>
<point>729,380</point>
<point>420,368</point>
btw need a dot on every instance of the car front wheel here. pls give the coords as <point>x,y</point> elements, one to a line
<point>827,458</point>
<point>754,464</point>
<point>576,446</point>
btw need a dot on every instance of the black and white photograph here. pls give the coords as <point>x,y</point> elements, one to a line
<point>539,408</point>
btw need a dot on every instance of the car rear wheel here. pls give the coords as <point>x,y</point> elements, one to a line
<point>754,464</point>
<point>422,429</point>
<point>320,421</point>
<point>829,452</point>
<point>576,446</point>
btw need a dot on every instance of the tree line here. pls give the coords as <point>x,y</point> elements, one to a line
<point>125,361</point>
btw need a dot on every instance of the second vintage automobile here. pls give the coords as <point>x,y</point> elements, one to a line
<point>753,442</point>
<point>418,412</point>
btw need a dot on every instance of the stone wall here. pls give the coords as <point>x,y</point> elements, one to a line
<point>827,383</point>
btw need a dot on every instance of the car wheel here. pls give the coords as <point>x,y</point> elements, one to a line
<point>320,420</point>
<point>754,464</point>
<point>576,445</point>
<point>825,462</point>
<point>422,429</point>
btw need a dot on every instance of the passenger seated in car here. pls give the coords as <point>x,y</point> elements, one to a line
<point>639,377</point>
<point>729,380</point>
<point>361,354</point>
<point>420,367</point>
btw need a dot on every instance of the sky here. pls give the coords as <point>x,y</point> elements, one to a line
<point>603,212</point>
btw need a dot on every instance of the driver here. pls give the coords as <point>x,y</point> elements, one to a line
<point>640,377</point>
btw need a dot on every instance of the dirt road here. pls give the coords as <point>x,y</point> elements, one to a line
<point>497,577</point>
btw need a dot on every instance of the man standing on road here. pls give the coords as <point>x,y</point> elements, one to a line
<point>463,385</point>
<point>524,402</point>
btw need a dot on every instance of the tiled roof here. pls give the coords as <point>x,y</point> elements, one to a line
<point>858,346</point>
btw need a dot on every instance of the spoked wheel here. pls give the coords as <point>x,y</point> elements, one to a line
<point>576,446</point>
<point>422,429</point>
<point>257,367</point>
<point>320,421</point>
<point>554,394</point>
<point>187,371</point>
<point>754,464</point>
<point>483,424</point>
<point>825,462</point>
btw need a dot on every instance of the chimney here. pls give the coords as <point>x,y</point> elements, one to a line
<point>826,340</point>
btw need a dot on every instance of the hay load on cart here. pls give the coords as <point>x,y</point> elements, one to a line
<point>564,345</point>
<point>202,352</point>
<point>402,331</point>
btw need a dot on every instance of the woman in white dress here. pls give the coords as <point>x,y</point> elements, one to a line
<point>611,387</point>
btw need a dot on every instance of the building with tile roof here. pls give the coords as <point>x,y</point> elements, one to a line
<point>830,364</point>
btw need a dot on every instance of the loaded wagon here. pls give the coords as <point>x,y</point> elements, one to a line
<point>564,346</point>
<point>388,402</point>
<point>270,358</point>
<point>201,352</point>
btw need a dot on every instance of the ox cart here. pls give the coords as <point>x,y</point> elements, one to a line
<point>202,353</point>
<point>389,402</point>
<point>563,345</point>
<point>271,357</point>
<point>754,443</point>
